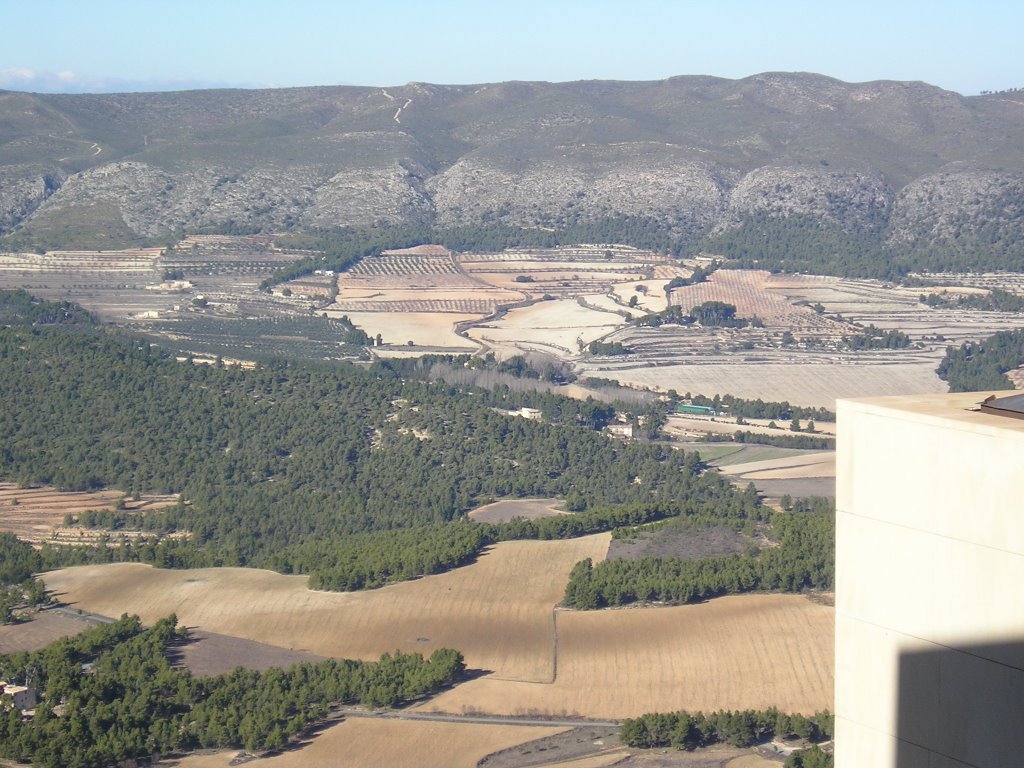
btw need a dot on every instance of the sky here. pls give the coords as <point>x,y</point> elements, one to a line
<point>114,45</point>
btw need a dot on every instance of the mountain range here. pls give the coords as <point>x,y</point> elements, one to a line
<point>904,162</point>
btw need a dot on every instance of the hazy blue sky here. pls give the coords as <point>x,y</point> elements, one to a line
<point>74,45</point>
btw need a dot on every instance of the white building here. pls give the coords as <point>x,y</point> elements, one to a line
<point>929,584</point>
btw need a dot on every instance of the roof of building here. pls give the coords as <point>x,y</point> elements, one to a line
<point>1012,406</point>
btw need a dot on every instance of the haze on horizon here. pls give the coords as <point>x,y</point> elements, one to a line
<point>116,45</point>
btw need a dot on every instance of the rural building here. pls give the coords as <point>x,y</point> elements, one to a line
<point>930,583</point>
<point>533,414</point>
<point>21,696</point>
<point>621,430</point>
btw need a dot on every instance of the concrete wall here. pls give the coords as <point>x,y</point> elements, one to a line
<point>929,584</point>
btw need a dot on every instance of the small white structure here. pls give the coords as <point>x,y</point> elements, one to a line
<point>621,430</point>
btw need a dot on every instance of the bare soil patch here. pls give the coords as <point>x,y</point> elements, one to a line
<point>579,746</point>
<point>209,653</point>
<point>507,509</point>
<point>44,628</point>
<point>687,545</point>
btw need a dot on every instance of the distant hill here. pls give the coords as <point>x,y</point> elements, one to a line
<point>900,164</point>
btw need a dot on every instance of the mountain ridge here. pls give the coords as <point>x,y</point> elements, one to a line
<point>698,155</point>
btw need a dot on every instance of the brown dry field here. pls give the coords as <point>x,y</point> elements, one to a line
<point>544,279</point>
<point>369,743</point>
<point>555,325</point>
<point>605,303</point>
<point>33,514</point>
<point>506,509</point>
<point>740,652</point>
<point>424,329</point>
<point>44,628</point>
<point>497,611</point>
<point>653,301</point>
<point>747,291</point>
<point>811,384</point>
<point>688,424</point>
<point>808,465</point>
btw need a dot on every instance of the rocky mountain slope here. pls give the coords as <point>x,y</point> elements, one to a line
<point>913,164</point>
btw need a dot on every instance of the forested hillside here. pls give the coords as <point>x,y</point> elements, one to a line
<point>130,703</point>
<point>290,466</point>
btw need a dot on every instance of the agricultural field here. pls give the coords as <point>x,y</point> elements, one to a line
<point>558,327</point>
<point>499,612</point>
<point>746,651</point>
<point>37,515</point>
<point>531,301</point>
<point>373,743</point>
<point>44,628</point>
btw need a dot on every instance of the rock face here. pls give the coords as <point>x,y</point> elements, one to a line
<point>697,155</point>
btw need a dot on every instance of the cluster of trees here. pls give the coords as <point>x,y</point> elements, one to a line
<point>700,275</point>
<point>804,558</point>
<point>281,466</point>
<point>780,441</point>
<point>18,585</point>
<point>996,300</point>
<point>875,338</point>
<point>743,728</point>
<point>758,409</point>
<point>976,366</point>
<point>130,703</point>
<point>19,307</point>
<point>608,348</point>
<point>710,314</point>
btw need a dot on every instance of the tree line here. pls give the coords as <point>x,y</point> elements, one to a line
<point>976,366</point>
<point>18,585</point>
<point>110,695</point>
<point>741,728</point>
<point>804,558</point>
<point>996,300</point>
<point>804,243</point>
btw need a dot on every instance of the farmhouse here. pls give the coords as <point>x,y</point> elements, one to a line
<point>22,697</point>
<point>621,430</point>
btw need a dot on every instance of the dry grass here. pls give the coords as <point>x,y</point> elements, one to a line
<point>422,328</point>
<point>750,651</point>
<point>496,611</point>
<point>361,742</point>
